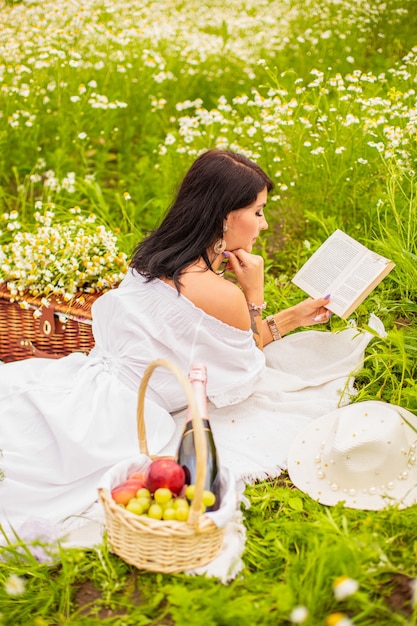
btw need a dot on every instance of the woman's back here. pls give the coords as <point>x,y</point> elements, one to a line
<point>141,321</point>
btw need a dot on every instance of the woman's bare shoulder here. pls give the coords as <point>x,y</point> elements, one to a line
<point>218,297</point>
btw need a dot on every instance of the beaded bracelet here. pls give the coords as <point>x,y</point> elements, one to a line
<point>256,307</point>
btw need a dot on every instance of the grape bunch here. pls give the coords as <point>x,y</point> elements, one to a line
<point>165,505</point>
<point>160,494</point>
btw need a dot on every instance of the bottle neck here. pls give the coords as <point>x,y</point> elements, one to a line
<point>199,389</point>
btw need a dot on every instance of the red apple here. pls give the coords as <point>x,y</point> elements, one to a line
<point>124,492</point>
<point>165,473</point>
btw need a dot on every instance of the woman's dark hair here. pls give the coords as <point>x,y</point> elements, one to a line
<point>218,182</point>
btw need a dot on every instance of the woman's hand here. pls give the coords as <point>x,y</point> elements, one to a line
<point>249,271</point>
<point>310,312</point>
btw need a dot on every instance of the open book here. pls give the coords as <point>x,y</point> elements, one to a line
<point>345,269</point>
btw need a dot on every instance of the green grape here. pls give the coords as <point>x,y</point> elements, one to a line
<point>181,514</point>
<point>135,506</point>
<point>162,495</point>
<point>145,502</point>
<point>189,492</point>
<point>208,498</point>
<point>169,513</point>
<point>181,503</point>
<point>143,493</point>
<point>155,511</point>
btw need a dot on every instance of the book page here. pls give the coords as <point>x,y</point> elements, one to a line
<point>345,269</point>
<point>370,271</point>
<point>328,264</point>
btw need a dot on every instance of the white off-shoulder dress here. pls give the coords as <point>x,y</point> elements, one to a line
<point>64,423</point>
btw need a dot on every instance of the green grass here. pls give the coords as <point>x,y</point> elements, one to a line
<point>103,106</point>
<point>295,550</point>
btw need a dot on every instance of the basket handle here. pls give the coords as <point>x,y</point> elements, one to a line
<point>200,442</point>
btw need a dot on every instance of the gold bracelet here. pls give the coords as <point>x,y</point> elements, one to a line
<point>270,320</point>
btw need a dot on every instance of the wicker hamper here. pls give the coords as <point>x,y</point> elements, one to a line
<point>61,328</point>
<point>162,545</point>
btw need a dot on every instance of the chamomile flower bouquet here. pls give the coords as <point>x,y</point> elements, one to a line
<point>58,258</point>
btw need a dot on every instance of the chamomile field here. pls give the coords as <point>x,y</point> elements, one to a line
<point>103,106</point>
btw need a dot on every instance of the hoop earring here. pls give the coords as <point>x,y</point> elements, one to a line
<point>220,246</point>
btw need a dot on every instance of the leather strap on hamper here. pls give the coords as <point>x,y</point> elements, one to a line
<point>34,351</point>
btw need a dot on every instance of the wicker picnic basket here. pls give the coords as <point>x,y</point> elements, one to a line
<point>163,545</point>
<point>60,329</point>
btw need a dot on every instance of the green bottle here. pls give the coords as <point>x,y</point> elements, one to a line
<point>186,453</point>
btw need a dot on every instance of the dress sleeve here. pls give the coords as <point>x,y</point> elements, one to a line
<point>234,363</point>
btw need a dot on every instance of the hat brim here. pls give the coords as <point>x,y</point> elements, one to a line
<point>302,464</point>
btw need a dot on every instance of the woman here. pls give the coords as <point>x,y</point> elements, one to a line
<point>64,423</point>
<point>218,214</point>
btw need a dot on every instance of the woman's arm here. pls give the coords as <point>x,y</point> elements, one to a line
<point>242,306</point>
<point>249,271</point>
<point>306,313</point>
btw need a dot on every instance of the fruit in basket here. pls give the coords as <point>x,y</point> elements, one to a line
<point>144,493</point>
<point>145,503</point>
<point>181,515</point>
<point>134,482</point>
<point>128,489</point>
<point>155,511</point>
<point>165,473</point>
<point>135,505</point>
<point>162,495</point>
<point>124,492</point>
<point>208,498</point>
<point>189,492</point>
<point>182,509</point>
<point>162,505</point>
<point>141,476</point>
<point>169,513</point>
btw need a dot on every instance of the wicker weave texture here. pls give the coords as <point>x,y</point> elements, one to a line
<point>159,545</point>
<point>67,328</point>
<point>162,545</point>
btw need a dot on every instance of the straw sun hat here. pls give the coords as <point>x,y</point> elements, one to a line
<point>364,454</point>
